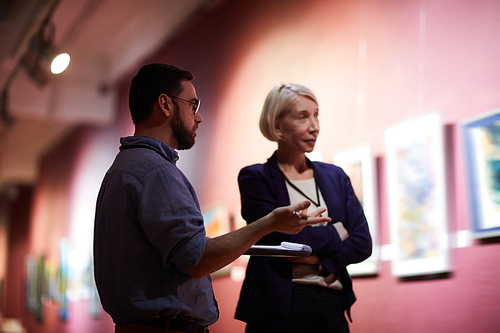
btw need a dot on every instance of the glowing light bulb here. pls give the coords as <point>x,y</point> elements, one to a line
<point>60,63</point>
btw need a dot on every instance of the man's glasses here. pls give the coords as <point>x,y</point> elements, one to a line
<point>194,104</point>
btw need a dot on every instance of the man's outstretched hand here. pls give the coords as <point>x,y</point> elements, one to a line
<point>292,219</point>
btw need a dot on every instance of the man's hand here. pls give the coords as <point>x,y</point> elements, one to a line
<point>224,249</point>
<point>292,219</point>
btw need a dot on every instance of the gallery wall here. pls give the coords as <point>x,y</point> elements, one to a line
<point>372,64</point>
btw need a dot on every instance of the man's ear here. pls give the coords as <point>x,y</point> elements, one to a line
<point>165,104</point>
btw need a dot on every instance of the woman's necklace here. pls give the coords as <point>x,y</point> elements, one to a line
<point>302,193</point>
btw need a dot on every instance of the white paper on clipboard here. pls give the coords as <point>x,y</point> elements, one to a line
<point>286,249</point>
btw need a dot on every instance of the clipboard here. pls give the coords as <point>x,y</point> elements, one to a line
<point>286,249</point>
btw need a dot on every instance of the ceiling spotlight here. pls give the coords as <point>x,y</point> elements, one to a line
<point>41,54</point>
<point>60,63</point>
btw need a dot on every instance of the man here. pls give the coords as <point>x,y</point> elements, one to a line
<point>152,258</point>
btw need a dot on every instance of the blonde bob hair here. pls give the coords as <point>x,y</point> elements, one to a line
<point>280,100</point>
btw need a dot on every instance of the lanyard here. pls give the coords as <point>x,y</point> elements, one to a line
<point>302,193</point>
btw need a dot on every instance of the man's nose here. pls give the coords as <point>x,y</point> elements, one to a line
<point>197,117</point>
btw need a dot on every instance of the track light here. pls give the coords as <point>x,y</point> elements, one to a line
<point>60,63</point>
<point>41,54</point>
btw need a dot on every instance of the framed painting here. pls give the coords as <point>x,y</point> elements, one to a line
<point>359,164</point>
<point>216,219</point>
<point>416,193</point>
<point>481,138</point>
<point>35,285</point>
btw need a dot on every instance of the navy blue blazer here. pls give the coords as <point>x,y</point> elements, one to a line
<point>266,291</point>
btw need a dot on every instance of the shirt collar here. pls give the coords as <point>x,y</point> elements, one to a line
<point>162,148</point>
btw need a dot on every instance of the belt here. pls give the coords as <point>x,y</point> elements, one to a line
<point>174,324</point>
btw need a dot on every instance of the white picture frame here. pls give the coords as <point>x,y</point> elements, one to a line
<point>360,165</point>
<point>416,193</point>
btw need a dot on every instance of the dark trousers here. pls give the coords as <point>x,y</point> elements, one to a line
<point>313,309</point>
<point>161,325</point>
<point>135,328</point>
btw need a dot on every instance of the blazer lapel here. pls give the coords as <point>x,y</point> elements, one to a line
<point>278,180</point>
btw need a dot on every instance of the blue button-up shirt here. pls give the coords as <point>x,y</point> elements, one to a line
<point>148,233</point>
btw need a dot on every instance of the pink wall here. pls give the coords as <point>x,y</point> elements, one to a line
<point>372,64</point>
<point>41,217</point>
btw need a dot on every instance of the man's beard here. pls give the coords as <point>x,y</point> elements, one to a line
<point>185,138</point>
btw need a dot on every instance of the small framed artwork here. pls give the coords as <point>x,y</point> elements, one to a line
<point>359,164</point>
<point>35,285</point>
<point>216,219</point>
<point>481,137</point>
<point>416,193</point>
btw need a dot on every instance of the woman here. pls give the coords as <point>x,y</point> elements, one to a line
<point>310,294</point>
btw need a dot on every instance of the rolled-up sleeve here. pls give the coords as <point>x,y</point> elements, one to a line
<point>170,216</point>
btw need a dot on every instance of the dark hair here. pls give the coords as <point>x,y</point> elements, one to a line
<point>151,81</point>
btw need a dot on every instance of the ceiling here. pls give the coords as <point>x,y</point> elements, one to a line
<point>106,40</point>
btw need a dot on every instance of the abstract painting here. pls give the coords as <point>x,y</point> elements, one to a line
<point>416,193</point>
<point>481,136</point>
